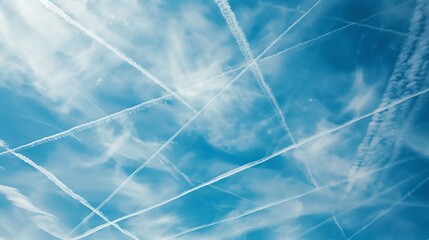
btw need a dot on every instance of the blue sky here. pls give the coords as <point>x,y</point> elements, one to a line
<point>266,119</point>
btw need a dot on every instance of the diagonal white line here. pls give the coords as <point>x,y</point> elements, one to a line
<point>164,98</point>
<point>257,162</point>
<point>244,46</point>
<point>58,11</point>
<point>64,188</point>
<point>267,206</point>
<point>390,208</point>
<point>381,29</point>
<point>177,133</point>
<point>378,194</point>
<point>313,40</point>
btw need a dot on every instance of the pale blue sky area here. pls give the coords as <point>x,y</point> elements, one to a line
<point>240,119</point>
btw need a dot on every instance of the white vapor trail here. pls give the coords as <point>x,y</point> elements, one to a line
<point>181,129</point>
<point>388,209</point>
<point>64,188</point>
<point>244,46</point>
<point>410,71</point>
<point>378,194</point>
<point>304,43</point>
<point>381,29</point>
<point>58,11</point>
<point>164,98</point>
<point>257,162</point>
<point>266,206</point>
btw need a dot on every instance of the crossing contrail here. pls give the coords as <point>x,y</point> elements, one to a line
<point>257,162</point>
<point>244,46</point>
<point>390,208</point>
<point>58,11</point>
<point>396,185</point>
<point>411,68</point>
<point>64,188</point>
<point>380,29</point>
<point>313,40</point>
<point>178,132</point>
<point>266,206</point>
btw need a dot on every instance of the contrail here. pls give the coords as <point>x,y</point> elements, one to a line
<point>302,44</point>
<point>380,29</point>
<point>113,116</point>
<point>257,162</point>
<point>91,124</point>
<point>266,206</point>
<point>390,208</point>
<point>58,11</point>
<point>244,46</point>
<point>163,146</point>
<point>410,70</point>
<point>181,129</point>
<point>164,98</point>
<point>396,185</point>
<point>64,188</point>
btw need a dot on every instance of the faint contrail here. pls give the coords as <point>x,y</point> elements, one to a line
<point>266,206</point>
<point>362,202</point>
<point>257,162</point>
<point>91,124</point>
<point>244,46</point>
<point>381,29</point>
<point>64,188</point>
<point>390,208</point>
<point>58,11</point>
<point>411,69</point>
<point>181,129</point>
<point>307,42</point>
<point>164,98</point>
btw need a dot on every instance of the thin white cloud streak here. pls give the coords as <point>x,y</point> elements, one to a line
<point>362,203</point>
<point>313,40</point>
<point>258,162</point>
<point>408,76</point>
<point>58,11</point>
<point>20,200</point>
<point>180,130</point>
<point>114,116</point>
<point>390,208</point>
<point>64,188</point>
<point>150,103</point>
<point>380,29</point>
<point>244,46</point>
<point>159,150</point>
<point>266,206</point>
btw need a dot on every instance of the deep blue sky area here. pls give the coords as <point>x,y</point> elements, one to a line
<point>240,119</point>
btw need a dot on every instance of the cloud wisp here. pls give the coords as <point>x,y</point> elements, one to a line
<point>152,102</point>
<point>55,9</point>
<point>273,204</point>
<point>181,129</point>
<point>260,161</point>
<point>408,76</point>
<point>64,188</point>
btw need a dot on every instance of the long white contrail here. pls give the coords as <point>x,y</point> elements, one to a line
<point>164,98</point>
<point>380,29</point>
<point>273,204</point>
<point>411,68</point>
<point>58,11</point>
<point>244,46</point>
<point>257,162</point>
<point>362,203</point>
<point>313,40</point>
<point>181,129</point>
<point>390,208</point>
<point>64,188</point>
